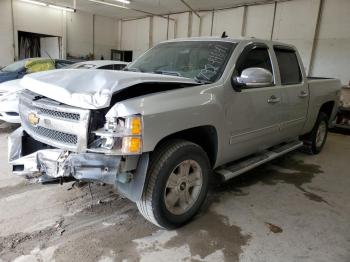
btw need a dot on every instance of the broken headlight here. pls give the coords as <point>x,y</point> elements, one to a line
<point>119,136</point>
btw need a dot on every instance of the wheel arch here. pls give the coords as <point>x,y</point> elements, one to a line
<point>205,136</point>
<point>327,108</point>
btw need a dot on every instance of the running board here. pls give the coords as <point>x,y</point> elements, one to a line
<point>230,171</point>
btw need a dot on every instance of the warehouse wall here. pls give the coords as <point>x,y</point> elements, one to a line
<point>230,21</point>
<point>81,33</point>
<point>259,21</point>
<point>40,20</point>
<point>332,53</point>
<point>136,35</point>
<point>105,36</point>
<point>160,29</point>
<point>91,34</point>
<point>6,33</point>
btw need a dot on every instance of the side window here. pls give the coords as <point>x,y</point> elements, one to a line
<point>256,57</point>
<point>289,66</point>
<point>106,67</point>
<point>118,67</point>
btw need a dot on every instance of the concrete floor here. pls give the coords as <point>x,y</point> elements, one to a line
<point>294,209</point>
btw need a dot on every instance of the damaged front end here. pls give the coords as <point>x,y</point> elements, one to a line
<point>127,174</point>
<point>56,143</point>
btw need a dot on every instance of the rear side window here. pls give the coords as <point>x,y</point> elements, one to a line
<point>119,67</point>
<point>106,67</point>
<point>289,66</point>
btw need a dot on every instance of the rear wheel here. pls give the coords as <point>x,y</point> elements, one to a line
<point>315,140</point>
<point>177,184</point>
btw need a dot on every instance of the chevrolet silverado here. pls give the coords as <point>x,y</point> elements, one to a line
<point>185,111</point>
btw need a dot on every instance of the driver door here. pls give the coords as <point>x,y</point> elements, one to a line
<point>254,114</point>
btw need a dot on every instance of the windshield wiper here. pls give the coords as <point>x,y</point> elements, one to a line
<point>170,73</point>
<point>202,81</point>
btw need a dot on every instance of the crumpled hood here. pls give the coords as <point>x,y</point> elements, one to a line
<point>90,89</point>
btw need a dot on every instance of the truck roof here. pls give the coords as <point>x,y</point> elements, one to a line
<point>229,39</point>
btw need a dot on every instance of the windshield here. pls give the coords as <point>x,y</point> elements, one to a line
<point>15,67</point>
<point>203,61</point>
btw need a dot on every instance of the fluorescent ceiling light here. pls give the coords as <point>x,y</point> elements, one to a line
<point>123,1</point>
<point>62,8</point>
<point>107,3</point>
<point>34,2</point>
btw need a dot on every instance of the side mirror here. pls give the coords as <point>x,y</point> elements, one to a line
<point>253,77</point>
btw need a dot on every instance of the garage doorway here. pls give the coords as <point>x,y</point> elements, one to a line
<point>38,45</point>
<point>121,55</point>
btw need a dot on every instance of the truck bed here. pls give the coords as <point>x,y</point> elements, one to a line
<point>321,90</point>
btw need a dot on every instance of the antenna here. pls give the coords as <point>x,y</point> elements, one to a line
<point>224,35</point>
<point>53,61</point>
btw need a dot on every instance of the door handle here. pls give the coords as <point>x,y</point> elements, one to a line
<point>303,94</point>
<point>273,100</point>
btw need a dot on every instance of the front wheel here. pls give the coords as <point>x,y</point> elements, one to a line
<point>177,184</point>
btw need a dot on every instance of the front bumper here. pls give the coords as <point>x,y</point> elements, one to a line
<point>49,164</point>
<point>126,173</point>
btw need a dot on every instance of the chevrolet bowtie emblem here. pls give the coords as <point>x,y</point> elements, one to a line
<point>33,119</point>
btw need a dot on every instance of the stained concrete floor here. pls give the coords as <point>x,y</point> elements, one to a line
<point>296,208</point>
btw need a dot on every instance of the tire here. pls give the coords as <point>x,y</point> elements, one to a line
<point>315,140</point>
<point>165,182</point>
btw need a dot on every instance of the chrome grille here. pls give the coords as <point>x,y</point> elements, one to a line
<point>59,125</point>
<point>55,135</point>
<point>57,114</point>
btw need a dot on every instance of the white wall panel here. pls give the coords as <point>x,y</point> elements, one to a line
<point>135,36</point>
<point>79,33</point>
<point>206,23</point>
<point>6,34</point>
<point>228,20</point>
<point>295,24</point>
<point>171,29</point>
<point>195,25</point>
<point>105,29</point>
<point>38,19</point>
<point>259,21</point>
<point>332,53</point>
<point>160,29</point>
<point>182,20</point>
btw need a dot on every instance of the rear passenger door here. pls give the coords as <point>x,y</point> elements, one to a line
<point>295,93</point>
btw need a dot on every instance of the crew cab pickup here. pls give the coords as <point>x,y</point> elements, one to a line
<point>184,111</point>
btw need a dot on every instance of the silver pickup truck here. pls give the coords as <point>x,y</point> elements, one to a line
<point>185,111</point>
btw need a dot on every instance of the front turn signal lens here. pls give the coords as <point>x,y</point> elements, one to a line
<point>136,126</point>
<point>132,145</point>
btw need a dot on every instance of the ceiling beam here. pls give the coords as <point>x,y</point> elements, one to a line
<point>190,7</point>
